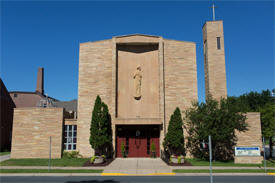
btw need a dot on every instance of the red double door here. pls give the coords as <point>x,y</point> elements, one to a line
<point>137,140</point>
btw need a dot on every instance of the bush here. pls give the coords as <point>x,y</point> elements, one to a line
<point>93,159</point>
<point>123,152</point>
<point>71,154</point>
<point>180,158</point>
<point>153,149</point>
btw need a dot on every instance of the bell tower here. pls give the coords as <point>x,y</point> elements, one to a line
<point>214,59</point>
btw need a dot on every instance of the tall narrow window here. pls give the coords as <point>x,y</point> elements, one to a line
<point>218,43</point>
<point>70,134</point>
<point>204,47</point>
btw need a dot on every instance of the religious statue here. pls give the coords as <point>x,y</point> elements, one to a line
<point>137,83</point>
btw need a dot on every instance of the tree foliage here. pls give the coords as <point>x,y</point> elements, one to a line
<point>100,130</point>
<point>218,119</point>
<point>259,102</point>
<point>174,139</point>
<point>268,119</point>
<point>252,101</point>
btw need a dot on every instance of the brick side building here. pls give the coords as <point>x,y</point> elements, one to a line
<point>32,99</point>
<point>6,119</point>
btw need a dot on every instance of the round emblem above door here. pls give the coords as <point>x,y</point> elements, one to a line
<point>137,133</point>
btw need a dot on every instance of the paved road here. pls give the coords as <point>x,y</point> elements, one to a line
<point>140,179</point>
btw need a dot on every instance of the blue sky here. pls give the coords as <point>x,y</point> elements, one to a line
<point>47,34</point>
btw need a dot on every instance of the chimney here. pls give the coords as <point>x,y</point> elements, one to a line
<point>40,81</point>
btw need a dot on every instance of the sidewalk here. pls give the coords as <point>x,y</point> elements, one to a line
<point>137,166</point>
<point>218,167</point>
<point>108,168</point>
<point>5,157</point>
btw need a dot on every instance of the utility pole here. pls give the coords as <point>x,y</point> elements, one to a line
<point>210,157</point>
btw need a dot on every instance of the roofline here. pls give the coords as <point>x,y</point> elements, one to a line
<point>181,41</point>
<point>121,36</point>
<point>22,92</point>
<point>211,21</point>
<point>136,34</point>
<point>38,93</point>
<point>7,92</point>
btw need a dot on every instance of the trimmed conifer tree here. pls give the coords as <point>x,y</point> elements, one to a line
<point>174,139</point>
<point>100,129</point>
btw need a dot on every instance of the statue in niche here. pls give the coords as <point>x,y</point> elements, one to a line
<point>137,83</point>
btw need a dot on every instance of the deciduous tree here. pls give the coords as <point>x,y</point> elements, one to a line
<point>218,119</point>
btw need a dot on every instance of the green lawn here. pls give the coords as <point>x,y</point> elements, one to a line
<point>4,153</point>
<point>223,171</point>
<point>197,162</point>
<point>63,162</point>
<point>47,171</point>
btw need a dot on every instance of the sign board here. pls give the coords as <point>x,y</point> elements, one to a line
<point>247,151</point>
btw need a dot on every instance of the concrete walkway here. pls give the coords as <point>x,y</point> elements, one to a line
<point>5,157</point>
<point>137,166</point>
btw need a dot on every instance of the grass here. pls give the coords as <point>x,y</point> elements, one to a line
<point>78,162</point>
<point>47,171</point>
<point>197,162</point>
<point>223,171</point>
<point>63,162</point>
<point>4,153</point>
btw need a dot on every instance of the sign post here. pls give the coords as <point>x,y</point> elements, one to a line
<point>50,149</point>
<point>210,157</point>
<point>264,155</point>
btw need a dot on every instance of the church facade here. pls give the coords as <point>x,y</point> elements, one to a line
<point>143,79</point>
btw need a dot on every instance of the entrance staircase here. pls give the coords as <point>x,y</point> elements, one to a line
<point>137,166</point>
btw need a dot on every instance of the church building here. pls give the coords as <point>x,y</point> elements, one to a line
<point>142,79</point>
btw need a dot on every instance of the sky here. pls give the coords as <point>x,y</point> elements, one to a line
<point>48,33</point>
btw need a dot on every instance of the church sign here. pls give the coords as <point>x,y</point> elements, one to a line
<point>247,151</point>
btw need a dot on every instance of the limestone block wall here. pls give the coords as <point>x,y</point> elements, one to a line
<point>95,78</point>
<point>32,128</point>
<point>180,76</point>
<point>70,122</point>
<point>251,137</point>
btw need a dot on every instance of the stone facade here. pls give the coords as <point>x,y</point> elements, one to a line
<point>251,137</point>
<point>172,67</point>
<point>32,128</point>
<point>214,59</point>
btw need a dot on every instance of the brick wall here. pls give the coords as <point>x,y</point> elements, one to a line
<point>180,73</point>
<point>252,137</point>
<point>32,128</point>
<point>95,78</point>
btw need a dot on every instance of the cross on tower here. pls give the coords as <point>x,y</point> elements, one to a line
<point>213,8</point>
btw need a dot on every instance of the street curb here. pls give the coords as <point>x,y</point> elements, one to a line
<point>223,174</point>
<point>121,174</point>
<point>48,174</point>
<point>129,174</point>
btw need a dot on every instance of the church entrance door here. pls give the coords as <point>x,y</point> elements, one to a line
<point>137,140</point>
